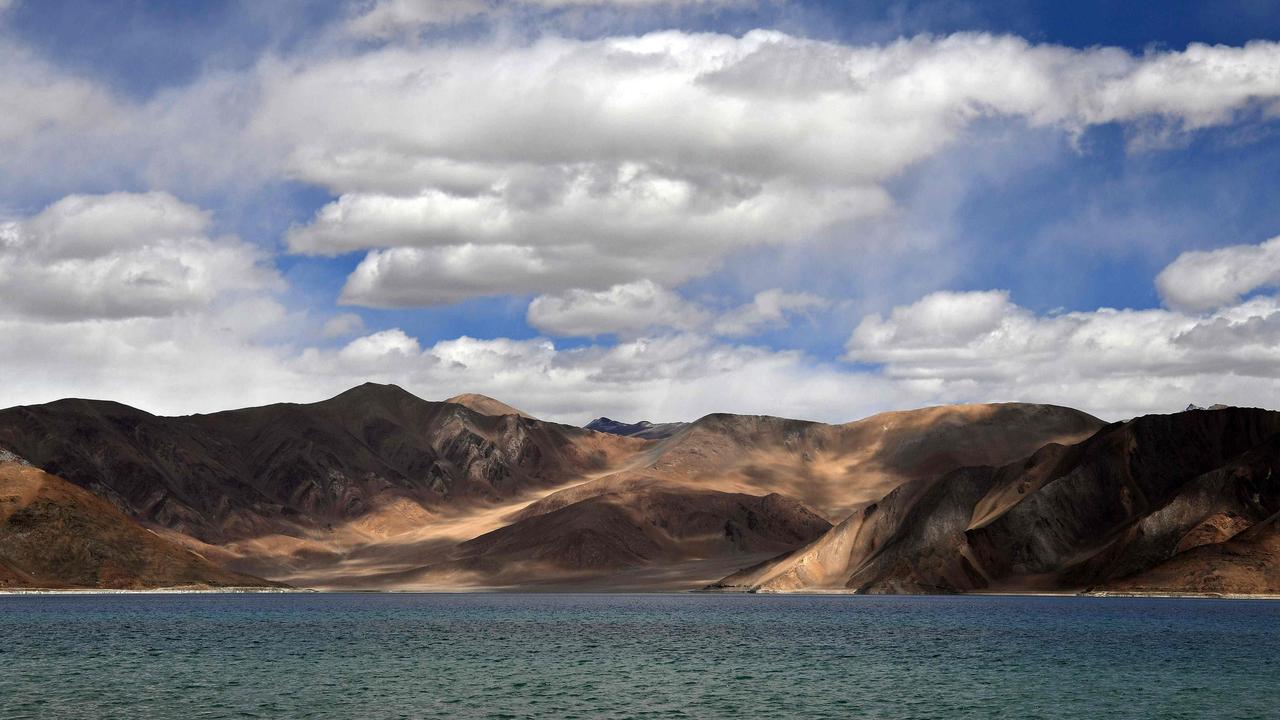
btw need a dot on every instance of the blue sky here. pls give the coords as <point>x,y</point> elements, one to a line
<point>651,209</point>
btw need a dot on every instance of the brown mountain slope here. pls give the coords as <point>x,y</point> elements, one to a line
<point>835,468</point>
<point>1246,563</point>
<point>486,405</point>
<point>650,537</point>
<point>55,535</point>
<point>378,488</point>
<point>1068,517</point>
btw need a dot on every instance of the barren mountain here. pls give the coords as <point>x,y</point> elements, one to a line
<point>834,468</point>
<point>56,535</point>
<point>486,405</point>
<point>713,471</point>
<point>378,488</point>
<point>655,537</point>
<point>1165,501</point>
<point>284,468</point>
<point>643,429</point>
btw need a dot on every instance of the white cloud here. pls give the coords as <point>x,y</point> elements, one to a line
<point>37,99</point>
<point>590,172</point>
<point>1118,363</point>
<point>940,318</point>
<point>1115,363</point>
<point>675,377</point>
<point>413,276</point>
<point>583,164</point>
<point>644,307</point>
<point>391,18</point>
<point>769,309</point>
<point>380,348</point>
<point>655,157</point>
<point>178,364</point>
<point>1205,280</point>
<point>121,255</point>
<point>628,310</point>
<point>343,325</point>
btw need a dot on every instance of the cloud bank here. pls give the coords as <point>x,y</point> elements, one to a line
<point>567,164</point>
<point>599,177</point>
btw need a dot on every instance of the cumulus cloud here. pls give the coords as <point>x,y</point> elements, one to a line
<point>655,157</point>
<point>121,255</point>
<point>1205,280</point>
<point>644,307</point>
<point>584,164</point>
<point>631,309</point>
<point>679,376</point>
<point>981,345</point>
<point>597,174</point>
<point>769,309</point>
<point>37,99</point>
<point>227,362</point>
<point>342,325</point>
<point>1115,363</point>
<point>391,18</point>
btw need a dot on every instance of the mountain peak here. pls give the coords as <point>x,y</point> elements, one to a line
<point>643,429</point>
<point>372,394</point>
<point>375,389</point>
<point>486,405</point>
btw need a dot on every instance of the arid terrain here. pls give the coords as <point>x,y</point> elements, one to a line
<point>55,535</point>
<point>379,489</point>
<point>1182,503</point>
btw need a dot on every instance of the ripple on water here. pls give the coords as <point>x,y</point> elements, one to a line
<point>634,656</point>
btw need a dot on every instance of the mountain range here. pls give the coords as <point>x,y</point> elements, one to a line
<point>379,489</point>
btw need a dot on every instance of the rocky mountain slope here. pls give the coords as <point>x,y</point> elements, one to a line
<point>287,468</point>
<point>834,468</point>
<point>56,535</point>
<point>376,488</point>
<point>486,405</point>
<point>748,484</point>
<point>1183,502</point>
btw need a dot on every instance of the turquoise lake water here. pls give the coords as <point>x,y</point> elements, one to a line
<point>635,656</point>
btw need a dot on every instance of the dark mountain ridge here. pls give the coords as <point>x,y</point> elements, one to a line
<point>242,473</point>
<point>643,429</point>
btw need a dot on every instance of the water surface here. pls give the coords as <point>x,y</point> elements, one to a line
<point>635,656</point>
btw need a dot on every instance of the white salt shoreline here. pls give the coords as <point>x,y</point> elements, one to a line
<point>262,590</point>
<point>153,591</point>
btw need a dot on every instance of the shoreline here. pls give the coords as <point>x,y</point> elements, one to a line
<point>249,590</point>
<point>179,590</point>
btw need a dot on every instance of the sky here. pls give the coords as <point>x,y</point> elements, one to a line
<point>645,209</point>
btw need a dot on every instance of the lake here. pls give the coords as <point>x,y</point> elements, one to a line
<point>635,656</point>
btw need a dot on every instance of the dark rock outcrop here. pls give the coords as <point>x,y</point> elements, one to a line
<point>251,472</point>
<point>1135,496</point>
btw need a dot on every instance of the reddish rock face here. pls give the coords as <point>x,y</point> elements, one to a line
<point>56,535</point>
